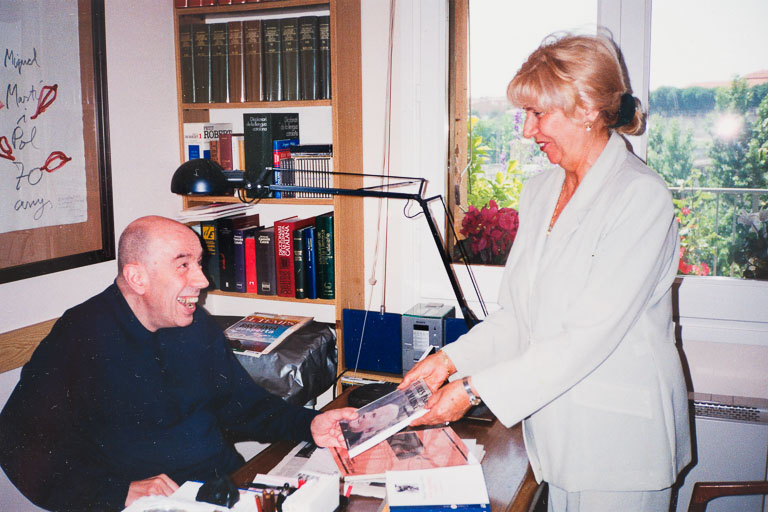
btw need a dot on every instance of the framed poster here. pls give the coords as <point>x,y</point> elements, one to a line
<point>55,179</point>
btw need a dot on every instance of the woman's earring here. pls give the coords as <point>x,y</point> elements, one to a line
<point>589,126</point>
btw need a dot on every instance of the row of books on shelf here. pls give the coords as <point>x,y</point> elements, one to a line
<point>271,59</point>
<point>269,151</point>
<point>294,257</point>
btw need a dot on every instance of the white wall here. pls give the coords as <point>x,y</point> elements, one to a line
<point>144,142</point>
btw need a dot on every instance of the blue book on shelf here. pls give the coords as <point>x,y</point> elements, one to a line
<point>309,261</point>
<point>281,149</point>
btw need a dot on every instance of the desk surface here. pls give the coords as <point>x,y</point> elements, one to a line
<point>510,482</point>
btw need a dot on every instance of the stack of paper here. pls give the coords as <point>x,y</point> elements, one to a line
<point>213,211</point>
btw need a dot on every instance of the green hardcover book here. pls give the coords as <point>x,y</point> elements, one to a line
<point>235,61</point>
<point>260,130</point>
<point>299,263</point>
<point>271,59</point>
<point>252,60</point>
<point>324,257</point>
<point>289,48</point>
<point>186,64</point>
<point>308,58</point>
<point>201,49</point>
<point>219,63</point>
<point>324,44</point>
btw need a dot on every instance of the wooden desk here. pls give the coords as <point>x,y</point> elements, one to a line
<point>510,481</point>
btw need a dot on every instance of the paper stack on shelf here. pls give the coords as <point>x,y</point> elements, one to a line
<point>213,211</point>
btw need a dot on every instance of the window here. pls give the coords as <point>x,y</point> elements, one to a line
<point>491,159</point>
<point>708,130</point>
<point>708,125</point>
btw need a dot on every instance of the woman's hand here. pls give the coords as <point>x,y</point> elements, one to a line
<point>325,427</point>
<point>435,369</point>
<point>447,404</point>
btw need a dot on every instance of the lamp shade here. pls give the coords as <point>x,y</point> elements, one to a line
<point>200,176</point>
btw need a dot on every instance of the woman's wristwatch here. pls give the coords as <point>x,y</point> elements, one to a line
<point>473,398</point>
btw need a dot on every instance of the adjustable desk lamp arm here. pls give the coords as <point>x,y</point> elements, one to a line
<point>469,317</point>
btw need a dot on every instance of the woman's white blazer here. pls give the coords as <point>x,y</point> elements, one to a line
<point>582,349</point>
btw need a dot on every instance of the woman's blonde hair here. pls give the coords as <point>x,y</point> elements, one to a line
<point>570,71</point>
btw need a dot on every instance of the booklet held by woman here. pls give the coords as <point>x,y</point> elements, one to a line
<point>383,417</point>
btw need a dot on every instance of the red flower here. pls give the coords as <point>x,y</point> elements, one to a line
<point>685,210</point>
<point>490,230</point>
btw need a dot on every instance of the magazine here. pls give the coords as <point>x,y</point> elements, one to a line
<point>260,333</point>
<point>410,449</point>
<point>383,417</point>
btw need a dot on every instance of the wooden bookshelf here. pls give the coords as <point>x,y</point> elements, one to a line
<point>346,112</point>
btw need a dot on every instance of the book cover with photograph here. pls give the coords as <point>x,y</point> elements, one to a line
<point>410,449</point>
<point>261,333</point>
<point>384,417</point>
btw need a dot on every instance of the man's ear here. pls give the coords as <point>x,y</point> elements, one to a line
<point>135,275</point>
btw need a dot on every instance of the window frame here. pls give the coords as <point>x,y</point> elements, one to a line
<point>722,309</point>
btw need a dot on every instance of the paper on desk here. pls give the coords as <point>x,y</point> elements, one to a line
<point>477,450</point>
<point>184,499</point>
<point>306,457</point>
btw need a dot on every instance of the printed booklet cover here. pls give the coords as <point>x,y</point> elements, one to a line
<point>456,488</point>
<point>383,417</point>
<point>410,449</point>
<point>260,333</point>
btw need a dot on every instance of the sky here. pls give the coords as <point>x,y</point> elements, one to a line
<point>692,40</point>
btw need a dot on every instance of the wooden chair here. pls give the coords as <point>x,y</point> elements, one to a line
<point>703,492</point>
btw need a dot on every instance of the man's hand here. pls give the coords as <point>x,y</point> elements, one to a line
<point>160,485</point>
<point>325,427</point>
<point>435,369</point>
<point>448,403</point>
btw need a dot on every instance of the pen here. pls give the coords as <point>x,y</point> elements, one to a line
<point>267,486</point>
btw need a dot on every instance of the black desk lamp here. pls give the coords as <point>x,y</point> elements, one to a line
<point>202,176</point>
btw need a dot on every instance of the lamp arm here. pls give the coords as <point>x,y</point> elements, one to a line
<point>469,316</point>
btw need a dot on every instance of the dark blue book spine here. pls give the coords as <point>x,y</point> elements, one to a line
<point>238,239</point>
<point>309,260</point>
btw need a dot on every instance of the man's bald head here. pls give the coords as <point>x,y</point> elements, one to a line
<point>136,240</point>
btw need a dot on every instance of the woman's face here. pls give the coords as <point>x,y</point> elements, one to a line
<point>562,138</point>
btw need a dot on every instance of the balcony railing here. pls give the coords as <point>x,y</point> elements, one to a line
<point>720,223</point>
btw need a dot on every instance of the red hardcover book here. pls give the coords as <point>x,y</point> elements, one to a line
<point>194,3</point>
<point>251,282</point>
<point>286,284</point>
<point>209,3</point>
<point>225,151</point>
<point>179,3</point>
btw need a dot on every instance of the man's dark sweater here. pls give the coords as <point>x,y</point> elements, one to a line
<point>104,402</point>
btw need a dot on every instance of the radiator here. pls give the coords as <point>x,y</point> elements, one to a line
<point>731,444</point>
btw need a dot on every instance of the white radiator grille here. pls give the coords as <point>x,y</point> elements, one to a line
<point>731,408</point>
